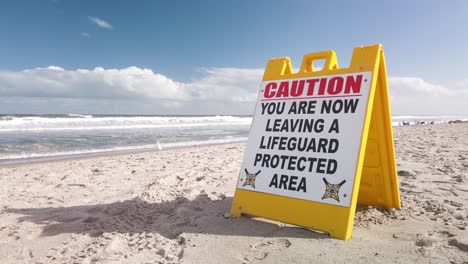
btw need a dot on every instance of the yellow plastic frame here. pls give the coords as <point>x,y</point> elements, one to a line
<point>376,180</point>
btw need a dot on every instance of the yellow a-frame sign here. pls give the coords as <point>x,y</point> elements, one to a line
<point>320,142</point>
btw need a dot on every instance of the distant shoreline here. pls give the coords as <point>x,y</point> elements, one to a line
<point>41,138</point>
<point>110,153</point>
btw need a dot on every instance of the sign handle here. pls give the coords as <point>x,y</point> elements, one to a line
<point>331,63</point>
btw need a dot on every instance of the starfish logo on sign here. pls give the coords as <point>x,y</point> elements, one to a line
<point>332,190</point>
<point>250,178</point>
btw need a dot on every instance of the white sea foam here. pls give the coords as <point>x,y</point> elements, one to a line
<point>80,115</point>
<point>115,127</point>
<point>38,124</point>
<point>157,146</point>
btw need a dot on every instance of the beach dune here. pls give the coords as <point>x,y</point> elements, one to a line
<point>172,206</point>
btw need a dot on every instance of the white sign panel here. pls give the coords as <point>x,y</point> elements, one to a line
<point>305,137</point>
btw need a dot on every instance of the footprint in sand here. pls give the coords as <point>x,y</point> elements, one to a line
<point>435,244</point>
<point>461,245</point>
<point>260,251</point>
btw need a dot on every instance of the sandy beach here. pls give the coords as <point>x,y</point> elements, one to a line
<point>172,206</point>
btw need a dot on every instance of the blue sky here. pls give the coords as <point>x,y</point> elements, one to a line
<point>190,43</point>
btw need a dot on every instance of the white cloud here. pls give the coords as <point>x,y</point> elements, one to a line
<point>410,95</point>
<point>100,22</point>
<point>227,84</point>
<point>57,82</point>
<point>85,34</point>
<point>215,91</point>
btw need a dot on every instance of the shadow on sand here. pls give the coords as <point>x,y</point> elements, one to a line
<point>169,219</point>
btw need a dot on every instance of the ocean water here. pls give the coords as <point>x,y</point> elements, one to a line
<point>48,136</point>
<point>30,137</point>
